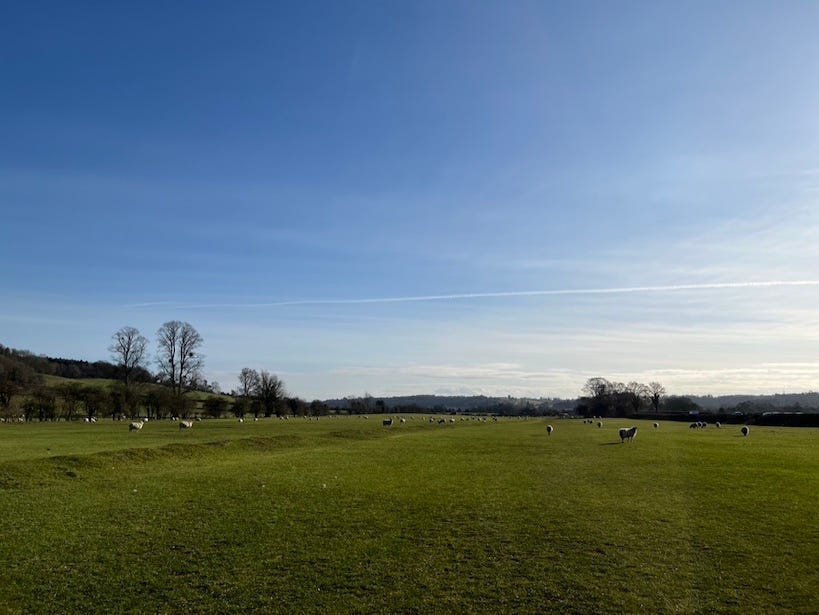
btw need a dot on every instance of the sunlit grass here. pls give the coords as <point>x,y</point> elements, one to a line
<point>344,515</point>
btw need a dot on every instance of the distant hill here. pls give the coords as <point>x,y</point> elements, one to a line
<point>456,403</point>
<point>751,404</point>
<point>777,400</point>
<point>70,368</point>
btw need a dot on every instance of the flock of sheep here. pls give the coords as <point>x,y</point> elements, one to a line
<point>628,433</point>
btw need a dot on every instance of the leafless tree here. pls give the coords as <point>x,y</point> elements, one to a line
<point>248,382</point>
<point>638,393</point>
<point>655,393</point>
<point>177,357</point>
<point>596,388</point>
<point>128,348</point>
<point>270,393</point>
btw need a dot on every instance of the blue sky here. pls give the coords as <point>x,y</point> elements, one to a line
<point>264,170</point>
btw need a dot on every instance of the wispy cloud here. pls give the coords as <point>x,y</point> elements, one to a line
<point>488,295</point>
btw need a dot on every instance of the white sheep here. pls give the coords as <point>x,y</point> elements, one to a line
<point>185,424</point>
<point>656,425</point>
<point>599,424</point>
<point>627,434</point>
<point>135,426</point>
<point>241,420</point>
<point>745,430</point>
<point>403,420</point>
<point>387,422</point>
<point>549,429</point>
<point>717,425</point>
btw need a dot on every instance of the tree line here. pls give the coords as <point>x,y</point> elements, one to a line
<point>604,398</point>
<point>178,362</point>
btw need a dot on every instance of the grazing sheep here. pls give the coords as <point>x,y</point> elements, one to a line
<point>656,425</point>
<point>185,424</point>
<point>255,418</point>
<point>717,425</point>
<point>135,426</point>
<point>198,418</point>
<point>402,420</point>
<point>387,422</point>
<point>692,426</point>
<point>745,430</point>
<point>599,424</point>
<point>627,434</point>
<point>549,429</point>
<point>241,420</point>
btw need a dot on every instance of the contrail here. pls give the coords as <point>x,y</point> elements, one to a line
<point>518,293</point>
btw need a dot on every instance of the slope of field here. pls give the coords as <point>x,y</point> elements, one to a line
<point>344,515</point>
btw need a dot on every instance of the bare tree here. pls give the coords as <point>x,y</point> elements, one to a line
<point>597,388</point>
<point>655,393</point>
<point>270,393</point>
<point>637,393</point>
<point>177,357</point>
<point>128,349</point>
<point>248,382</point>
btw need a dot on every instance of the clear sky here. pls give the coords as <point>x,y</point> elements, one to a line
<point>270,172</point>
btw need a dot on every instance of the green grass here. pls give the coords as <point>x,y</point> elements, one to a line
<point>103,383</point>
<point>345,516</point>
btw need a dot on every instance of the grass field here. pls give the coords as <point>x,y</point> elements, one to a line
<point>344,515</point>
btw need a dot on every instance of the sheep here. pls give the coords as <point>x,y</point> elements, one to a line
<point>692,426</point>
<point>717,425</point>
<point>599,424</point>
<point>387,422</point>
<point>185,424</point>
<point>241,420</point>
<point>627,434</point>
<point>745,430</point>
<point>135,426</point>
<point>403,420</point>
<point>656,425</point>
<point>255,419</point>
<point>198,418</point>
<point>549,429</point>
